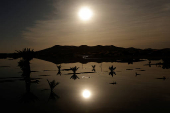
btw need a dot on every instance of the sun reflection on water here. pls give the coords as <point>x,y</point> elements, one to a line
<point>86,93</point>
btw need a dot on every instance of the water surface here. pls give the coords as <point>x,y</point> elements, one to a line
<point>133,87</point>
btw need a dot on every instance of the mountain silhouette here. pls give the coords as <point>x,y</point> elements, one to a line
<point>83,54</point>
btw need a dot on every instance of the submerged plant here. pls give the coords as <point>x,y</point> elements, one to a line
<point>74,69</point>
<point>112,68</point>
<point>113,83</point>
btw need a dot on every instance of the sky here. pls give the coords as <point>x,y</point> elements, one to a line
<point>40,24</point>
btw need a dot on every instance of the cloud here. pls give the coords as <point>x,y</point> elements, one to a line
<point>166,7</point>
<point>113,22</point>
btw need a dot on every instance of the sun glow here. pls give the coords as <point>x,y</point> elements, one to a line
<point>85,13</point>
<point>86,93</point>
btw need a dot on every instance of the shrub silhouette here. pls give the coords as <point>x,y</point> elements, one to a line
<point>26,53</point>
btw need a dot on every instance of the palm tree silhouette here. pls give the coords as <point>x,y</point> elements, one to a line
<point>26,53</point>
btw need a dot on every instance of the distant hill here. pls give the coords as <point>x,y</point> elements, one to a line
<point>84,53</point>
<point>101,51</point>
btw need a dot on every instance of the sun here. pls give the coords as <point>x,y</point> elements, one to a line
<point>85,13</point>
<point>86,93</point>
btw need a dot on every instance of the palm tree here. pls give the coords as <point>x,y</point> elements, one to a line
<point>26,53</point>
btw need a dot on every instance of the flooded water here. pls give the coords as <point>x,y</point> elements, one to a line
<point>129,88</point>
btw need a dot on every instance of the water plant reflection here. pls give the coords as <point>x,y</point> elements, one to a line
<point>93,66</point>
<point>59,70</point>
<point>112,71</point>
<point>24,64</point>
<point>74,76</point>
<point>52,85</point>
<point>74,69</point>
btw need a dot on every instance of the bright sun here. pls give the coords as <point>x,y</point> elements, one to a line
<point>85,13</point>
<point>86,94</point>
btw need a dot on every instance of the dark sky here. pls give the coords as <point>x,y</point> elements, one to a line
<point>40,24</point>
